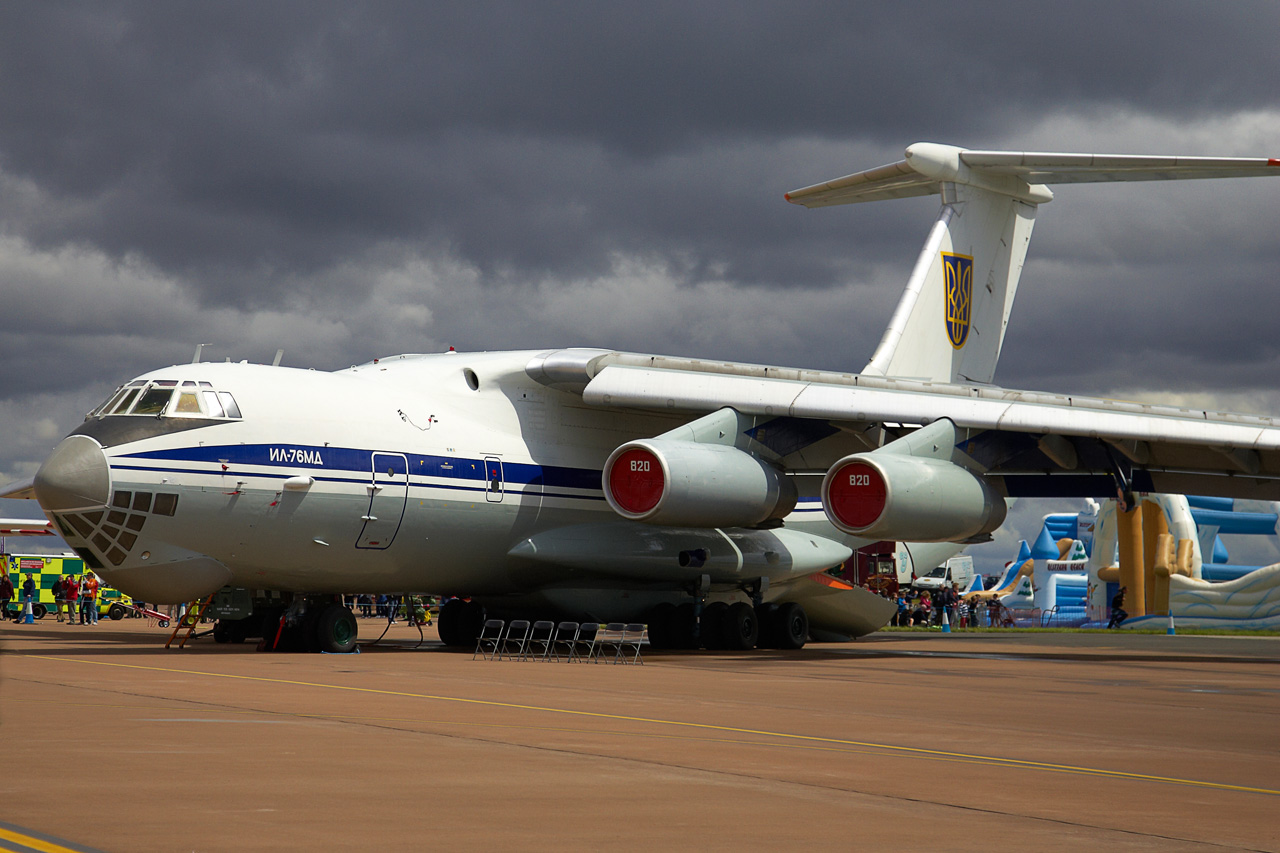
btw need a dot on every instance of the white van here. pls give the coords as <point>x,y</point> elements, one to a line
<point>957,570</point>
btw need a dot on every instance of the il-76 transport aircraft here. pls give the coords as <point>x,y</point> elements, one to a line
<point>702,497</point>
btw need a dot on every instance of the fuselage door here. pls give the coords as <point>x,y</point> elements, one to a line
<point>388,493</point>
<point>494,483</point>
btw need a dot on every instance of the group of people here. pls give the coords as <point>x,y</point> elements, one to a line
<point>74,597</point>
<point>925,608</point>
<point>77,598</point>
<point>416,609</point>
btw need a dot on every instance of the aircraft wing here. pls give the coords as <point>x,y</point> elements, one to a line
<point>26,527</point>
<point>19,489</point>
<point>1035,444</point>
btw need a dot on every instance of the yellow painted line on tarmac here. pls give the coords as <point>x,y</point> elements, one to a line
<point>989,760</point>
<point>10,836</point>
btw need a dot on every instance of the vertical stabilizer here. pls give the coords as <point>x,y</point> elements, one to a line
<point>949,325</point>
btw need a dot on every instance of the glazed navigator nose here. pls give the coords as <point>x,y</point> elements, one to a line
<point>74,477</point>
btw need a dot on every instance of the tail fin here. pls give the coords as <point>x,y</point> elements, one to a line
<point>950,324</point>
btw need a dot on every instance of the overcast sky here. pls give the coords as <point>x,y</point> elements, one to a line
<point>350,180</point>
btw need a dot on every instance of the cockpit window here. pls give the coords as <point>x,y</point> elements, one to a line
<point>188,403</point>
<point>153,402</point>
<point>169,397</point>
<point>229,404</point>
<point>106,407</point>
<point>126,401</point>
<point>211,403</point>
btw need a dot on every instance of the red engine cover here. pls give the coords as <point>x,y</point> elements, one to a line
<point>636,480</point>
<point>856,495</point>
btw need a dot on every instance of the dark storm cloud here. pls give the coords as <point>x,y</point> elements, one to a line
<point>538,136</point>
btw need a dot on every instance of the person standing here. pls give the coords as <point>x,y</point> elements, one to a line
<point>28,595</point>
<point>6,593</point>
<point>71,589</point>
<point>91,597</point>
<point>1118,613</point>
<point>59,599</point>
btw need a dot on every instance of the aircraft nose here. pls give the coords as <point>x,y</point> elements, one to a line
<point>74,477</point>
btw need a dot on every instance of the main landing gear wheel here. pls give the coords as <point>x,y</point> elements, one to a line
<point>739,628</point>
<point>336,629</point>
<point>661,629</point>
<point>681,624</point>
<point>712,626</point>
<point>788,626</point>
<point>460,622</point>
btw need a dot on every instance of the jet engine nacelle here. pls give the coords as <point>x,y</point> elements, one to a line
<point>908,498</point>
<point>687,484</point>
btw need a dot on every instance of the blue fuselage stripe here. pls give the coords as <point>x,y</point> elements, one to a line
<point>307,458</point>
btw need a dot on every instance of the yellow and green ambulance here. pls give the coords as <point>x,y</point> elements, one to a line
<point>47,568</point>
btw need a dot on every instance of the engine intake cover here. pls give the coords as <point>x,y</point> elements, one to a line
<point>906,498</point>
<point>688,484</point>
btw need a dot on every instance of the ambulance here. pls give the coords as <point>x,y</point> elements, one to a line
<point>47,568</point>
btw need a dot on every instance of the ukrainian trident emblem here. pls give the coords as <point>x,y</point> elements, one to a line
<point>957,288</point>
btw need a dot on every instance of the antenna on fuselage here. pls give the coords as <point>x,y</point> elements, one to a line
<point>279,355</point>
<point>195,359</point>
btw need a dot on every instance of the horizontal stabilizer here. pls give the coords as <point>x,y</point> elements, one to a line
<point>1018,174</point>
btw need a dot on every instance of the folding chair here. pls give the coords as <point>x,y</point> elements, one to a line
<point>610,642</point>
<point>540,640</point>
<point>632,638</point>
<point>585,641</point>
<point>565,636</point>
<point>487,642</point>
<point>514,641</point>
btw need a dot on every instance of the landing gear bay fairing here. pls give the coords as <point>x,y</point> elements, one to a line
<point>704,498</point>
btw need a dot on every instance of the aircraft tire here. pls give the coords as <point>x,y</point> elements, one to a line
<point>739,628</point>
<point>472,622</point>
<point>446,621</point>
<point>713,619</point>
<point>790,626</point>
<point>116,612</point>
<point>336,630</point>
<point>459,623</point>
<point>681,625</point>
<point>661,629</point>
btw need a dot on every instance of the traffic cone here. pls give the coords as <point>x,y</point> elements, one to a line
<point>28,618</point>
<point>1170,631</point>
<point>946,623</point>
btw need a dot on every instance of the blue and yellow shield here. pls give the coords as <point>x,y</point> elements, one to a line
<point>957,288</point>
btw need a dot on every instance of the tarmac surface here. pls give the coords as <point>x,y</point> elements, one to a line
<point>900,740</point>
